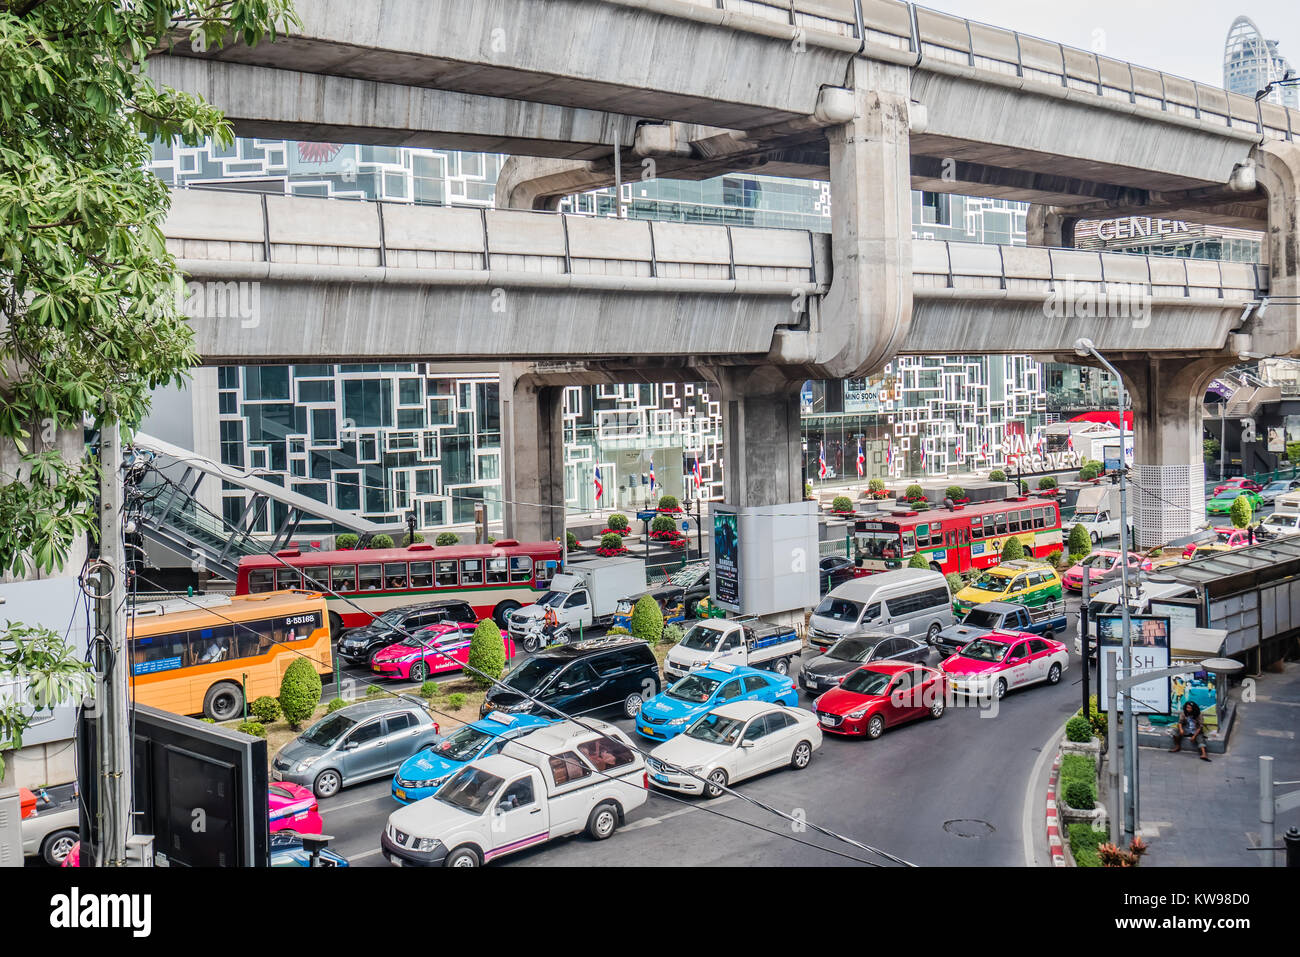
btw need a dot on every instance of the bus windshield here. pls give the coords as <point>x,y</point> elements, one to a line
<point>879,545</point>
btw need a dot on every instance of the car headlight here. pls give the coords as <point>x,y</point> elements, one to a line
<point>678,721</point>
<point>411,657</point>
<point>426,844</point>
<point>697,769</point>
<point>305,763</point>
<point>854,715</point>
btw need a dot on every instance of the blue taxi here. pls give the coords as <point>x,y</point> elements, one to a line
<point>667,714</point>
<point>424,772</point>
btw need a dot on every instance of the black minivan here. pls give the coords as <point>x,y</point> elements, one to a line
<point>356,645</point>
<point>580,679</point>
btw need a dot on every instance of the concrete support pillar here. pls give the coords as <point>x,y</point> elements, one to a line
<point>532,456</point>
<point>1277,171</point>
<point>762,460</point>
<point>1049,226</point>
<point>1167,498</point>
<point>867,311</point>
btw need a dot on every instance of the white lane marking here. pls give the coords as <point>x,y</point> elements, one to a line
<point>344,807</point>
<point>651,821</point>
<point>357,857</point>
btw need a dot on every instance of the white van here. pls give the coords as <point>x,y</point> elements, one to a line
<point>1106,602</point>
<point>1285,518</point>
<point>914,602</point>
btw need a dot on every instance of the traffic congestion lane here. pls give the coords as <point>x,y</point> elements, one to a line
<point>949,791</point>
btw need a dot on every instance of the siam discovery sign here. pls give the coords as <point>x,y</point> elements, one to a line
<point>1017,451</point>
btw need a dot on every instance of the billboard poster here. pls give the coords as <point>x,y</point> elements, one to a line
<point>1276,439</point>
<point>1149,651</point>
<point>726,560</point>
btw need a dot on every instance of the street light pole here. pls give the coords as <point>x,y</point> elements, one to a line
<point>1087,349</point>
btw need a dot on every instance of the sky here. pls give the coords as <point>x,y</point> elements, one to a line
<point>1183,37</point>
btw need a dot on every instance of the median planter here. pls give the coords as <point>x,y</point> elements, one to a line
<point>1089,749</point>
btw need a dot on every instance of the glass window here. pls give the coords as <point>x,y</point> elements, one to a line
<point>577,674</point>
<point>1013,522</point>
<point>421,574</point>
<point>730,690</point>
<point>1017,652</point>
<point>260,580</point>
<point>498,571</point>
<point>287,578</point>
<point>576,600</point>
<point>756,729</point>
<point>444,573</point>
<point>1000,523</point>
<point>976,527</point>
<point>162,653</point>
<point>214,648</point>
<point>607,665</point>
<point>369,731</point>
<point>902,682</point>
<point>518,794</point>
<point>395,575</point>
<point>605,753</point>
<point>567,767</point>
<point>370,577</point>
<point>521,568</point>
<point>343,577</point>
<point>400,722</point>
<point>316,576</point>
<point>1037,646</point>
<point>754,683</point>
<point>471,571</point>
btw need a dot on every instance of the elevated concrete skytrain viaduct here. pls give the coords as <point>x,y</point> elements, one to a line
<point>877,97</point>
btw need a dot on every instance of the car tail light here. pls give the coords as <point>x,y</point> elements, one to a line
<point>645,780</point>
<point>436,728</point>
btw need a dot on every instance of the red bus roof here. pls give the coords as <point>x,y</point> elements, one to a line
<point>940,514</point>
<point>414,553</point>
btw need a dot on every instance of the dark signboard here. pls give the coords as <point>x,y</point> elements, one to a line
<point>726,560</point>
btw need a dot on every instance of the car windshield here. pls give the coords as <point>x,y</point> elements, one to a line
<point>838,609</point>
<point>393,616</point>
<point>684,577</point>
<point>422,639</point>
<point>695,688</point>
<point>470,790</point>
<point>852,649</point>
<point>982,619</point>
<point>700,638</point>
<point>866,681</point>
<point>1099,559</point>
<point>1276,486</point>
<point>984,650</point>
<point>994,583</point>
<point>533,674</point>
<point>462,744</point>
<point>1229,495</point>
<point>551,599</point>
<point>1085,516</point>
<point>1288,521</point>
<point>328,730</point>
<point>716,729</point>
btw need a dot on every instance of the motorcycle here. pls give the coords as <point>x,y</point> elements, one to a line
<point>540,636</point>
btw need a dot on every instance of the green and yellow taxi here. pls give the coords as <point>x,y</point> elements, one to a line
<point>1023,581</point>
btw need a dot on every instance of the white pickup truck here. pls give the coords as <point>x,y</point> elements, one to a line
<point>557,781</point>
<point>733,641</point>
<point>583,594</point>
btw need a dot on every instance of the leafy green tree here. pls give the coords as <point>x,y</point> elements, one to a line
<point>91,303</point>
<point>955,582</point>
<point>647,620</point>
<point>1012,549</point>
<point>48,672</point>
<point>919,561</point>
<point>487,654</point>
<point>1292,450</point>
<point>381,541</point>
<point>1210,449</point>
<point>346,540</point>
<point>446,538</point>
<point>265,709</point>
<point>1079,542</point>
<point>300,691</point>
<point>1241,512</point>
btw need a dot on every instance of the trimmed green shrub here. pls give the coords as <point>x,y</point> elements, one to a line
<point>1046,482</point>
<point>669,502</point>
<point>1074,559</point>
<point>663,523</point>
<point>381,541</point>
<point>1012,549</point>
<point>955,582</point>
<point>1292,450</point>
<point>1088,472</point>
<point>346,540</point>
<point>1079,542</point>
<point>571,539</point>
<point>807,490</point>
<point>446,538</point>
<point>429,690</point>
<point>255,728</point>
<point>1084,839</point>
<point>618,522</point>
<point>1241,512</point>
<point>1210,449</point>
<point>876,485</point>
<point>334,705</point>
<point>408,541</point>
<point>1024,488</point>
<point>1078,729</point>
<point>1095,718</point>
<point>1078,782</point>
<point>671,634</point>
<point>1054,556</point>
<point>919,561</point>
<point>1081,795</point>
<point>374,691</point>
<point>841,503</point>
<point>487,653</point>
<point>266,709</point>
<point>954,492</point>
<point>611,540</point>
<point>617,630</point>
<point>300,691</point>
<point>913,492</point>
<point>456,701</point>
<point>997,475</point>
<point>647,620</point>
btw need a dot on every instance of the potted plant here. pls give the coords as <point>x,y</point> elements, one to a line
<point>997,475</point>
<point>842,505</point>
<point>957,494</point>
<point>915,496</point>
<point>663,528</point>
<point>611,544</point>
<point>618,525</point>
<point>876,488</point>
<point>670,504</point>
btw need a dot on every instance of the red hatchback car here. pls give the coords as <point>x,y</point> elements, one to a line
<point>1245,483</point>
<point>880,695</point>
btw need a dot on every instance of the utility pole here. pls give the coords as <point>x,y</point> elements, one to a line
<point>114,739</point>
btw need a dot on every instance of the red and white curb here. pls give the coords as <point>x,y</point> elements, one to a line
<point>1053,819</point>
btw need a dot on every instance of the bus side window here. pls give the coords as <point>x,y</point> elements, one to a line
<point>521,569</point>
<point>211,645</point>
<point>395,574</point>
<point>471,571</point>
<point>343,577</point>
<point>287,578</point>
<point>369,577</point>
<point>316,577</point>
<point>498,571</point>
<point>976,528</point>
<point>1013,522</point>
<point>260,580</point>
<point>421,574</point>
<point>445,574</point>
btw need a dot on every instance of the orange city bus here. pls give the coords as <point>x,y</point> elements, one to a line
<point>495,579</point>
<point>191,655</point>
<point>965,538</point>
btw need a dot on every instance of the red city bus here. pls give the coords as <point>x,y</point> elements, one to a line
<point>967,537</point>
<point>495,579</point>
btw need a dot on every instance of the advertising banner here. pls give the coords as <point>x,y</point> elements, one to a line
<point>1148,651</point>
<point>726,560</point>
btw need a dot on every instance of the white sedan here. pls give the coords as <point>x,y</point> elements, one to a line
<point>732,742</point>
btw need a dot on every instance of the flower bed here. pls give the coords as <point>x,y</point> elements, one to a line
<point>665,536</point>
<point>616,531</point>
<point>669,511</point>
<point>676,544</point>
<point>610,552</point>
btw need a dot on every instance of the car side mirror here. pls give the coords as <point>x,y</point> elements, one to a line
<point>350,745</point>
<point>747,743</point>
<point>503,807</point>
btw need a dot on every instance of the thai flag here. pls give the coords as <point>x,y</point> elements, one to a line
<point>600,489</point>
<point>1069,441</point>
<point>862,459</point>
<point>821,460</point>
<point>695,470</point>
<point>922,455</point>
<point>652,476</point>
<point>1039,445</point>
<point>889,458</point>
<point>958,450</point>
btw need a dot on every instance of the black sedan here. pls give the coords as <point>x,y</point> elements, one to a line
<point>851,652</point>
<point>834,570</point>
<point>357,645</point>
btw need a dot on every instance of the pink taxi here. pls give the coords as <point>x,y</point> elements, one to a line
<point>432,650</point>
<point>293,807</point>
<point>992,665</point>
<point>1100,562</point>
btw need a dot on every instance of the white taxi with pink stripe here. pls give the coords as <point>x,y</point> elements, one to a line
<point>993,664</point>
<point>557,781</point>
